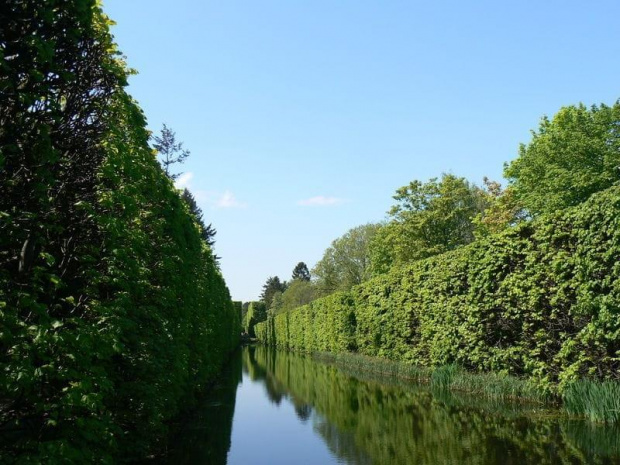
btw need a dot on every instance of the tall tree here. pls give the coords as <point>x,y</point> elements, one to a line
<point>276,303</point>
<point>100,265</point>
<point>571,156</point>
<point>346,261</point>
<point>270,287</point>
<point>301,272</point>
<point>428,219</point>
<point>299,292</point>
<point>503,210</point>
<point>58,77</point>
<point>208,232</point>
<point>170,151</point>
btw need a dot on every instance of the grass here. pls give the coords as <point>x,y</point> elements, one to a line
<point>597,401</point>
<point>497,386</point>
<point>444,378</point>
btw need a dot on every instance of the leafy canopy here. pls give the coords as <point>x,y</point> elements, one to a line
<point>570,157</point>
<point>271,286</point>
<point>346,262</point>
<point>428,219</point>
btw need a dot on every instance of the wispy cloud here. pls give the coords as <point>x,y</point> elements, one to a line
<point>184,180</point>
<point>321,201</point>
<point>228,200</point>
<point>214,199</point>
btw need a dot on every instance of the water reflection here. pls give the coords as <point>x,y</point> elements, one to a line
<point>292,409</point>
<point>205,437</point>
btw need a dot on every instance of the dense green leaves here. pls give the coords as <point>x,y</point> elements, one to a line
<point>257,312</point>
<point>540,300</point>
<point>346,262</point>
<point>112,309</point>
<point>272,286</point>
<point>571,156</point>
<point>429,218</point>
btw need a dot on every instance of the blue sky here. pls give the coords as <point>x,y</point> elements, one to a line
<point>304,117</point>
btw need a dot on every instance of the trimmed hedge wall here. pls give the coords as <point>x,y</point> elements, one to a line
<point>540,300</point>
<point>113,311</point>
<point>257,312</point>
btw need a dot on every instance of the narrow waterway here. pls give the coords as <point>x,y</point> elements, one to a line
<point>273,407</point>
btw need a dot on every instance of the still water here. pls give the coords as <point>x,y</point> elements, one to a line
<point>273,407</point>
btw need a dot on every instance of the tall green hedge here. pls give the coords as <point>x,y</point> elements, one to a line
<point>113,311</point>
<point>541,300</point>
<point>257,312</point>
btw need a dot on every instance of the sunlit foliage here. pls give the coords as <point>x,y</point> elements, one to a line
<point>113,312</point>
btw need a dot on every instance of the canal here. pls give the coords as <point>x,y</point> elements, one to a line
<point>273,407</point>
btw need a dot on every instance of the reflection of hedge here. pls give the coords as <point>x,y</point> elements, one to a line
<point>205,436</point>
<point>394,423</point>
<point>542,300</point>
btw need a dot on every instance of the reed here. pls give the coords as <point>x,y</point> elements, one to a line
<point>596,400</point>
<point>444,378</point>
<point>498,386</point>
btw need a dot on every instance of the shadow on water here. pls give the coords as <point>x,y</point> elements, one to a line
<point>204,437</point>
<point>361,419</point>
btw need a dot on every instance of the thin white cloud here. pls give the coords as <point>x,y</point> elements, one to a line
<point>228,200</point>
<point>184,180</point>
<point>201,195</point>
<point>321,201</point>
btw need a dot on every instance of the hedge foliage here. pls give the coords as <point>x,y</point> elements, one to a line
<point>112,309</point>
<point>257,312</point>
<point>540,300</point>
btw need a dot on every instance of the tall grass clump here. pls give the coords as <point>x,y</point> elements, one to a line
<point>442,377</point>
<point>497,386</point>
<point>596,400</point>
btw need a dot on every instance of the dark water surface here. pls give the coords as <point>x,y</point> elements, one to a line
<point>273,407</point>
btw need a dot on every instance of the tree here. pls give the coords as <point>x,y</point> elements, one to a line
<point>428,219</point>
<point>346,262</point>
<point>170,151</point>
<point>271,286</point>
<point>207,232</point>
<point>277,304</point>
<point>299,292</point>
<point>108,296</point>
<point>301,272</point>
<point>569,158</point>
<point>503,210</point>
